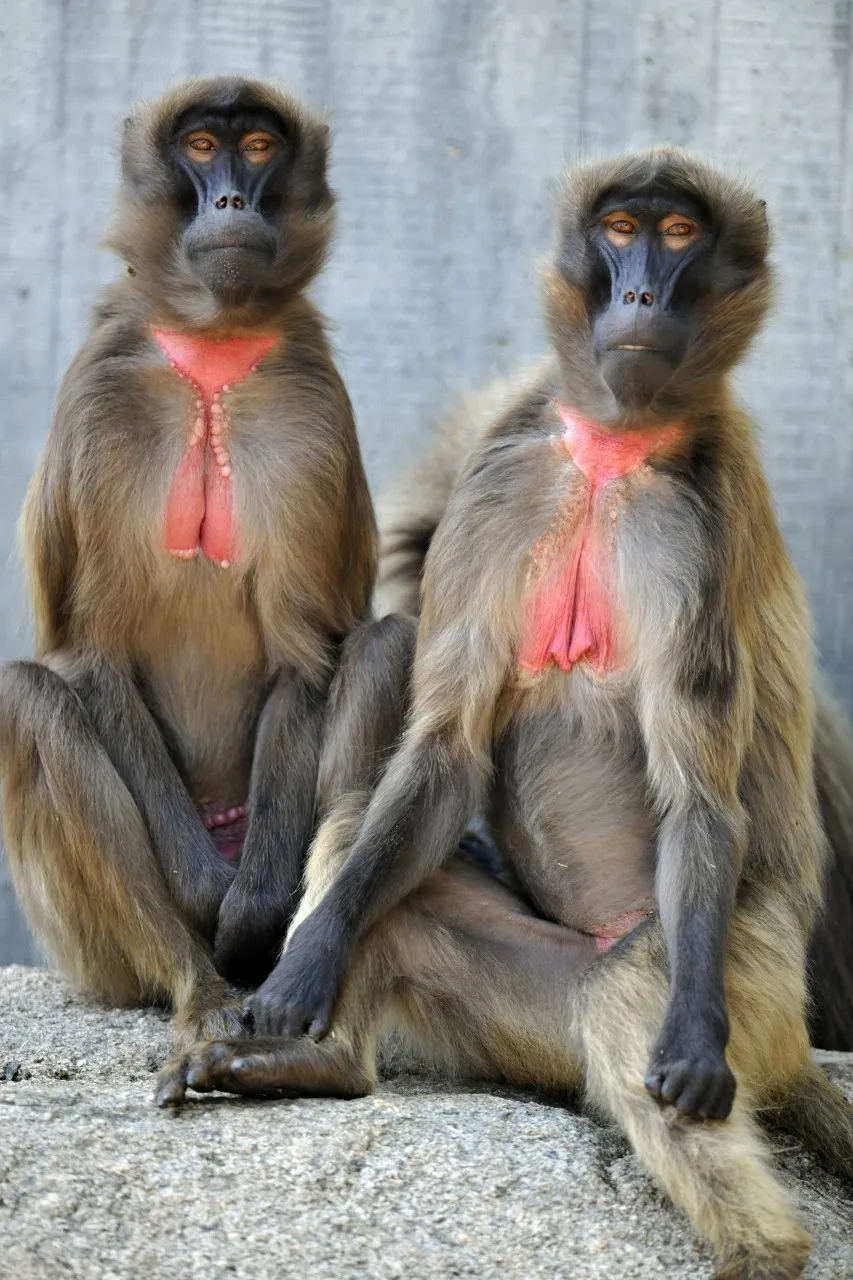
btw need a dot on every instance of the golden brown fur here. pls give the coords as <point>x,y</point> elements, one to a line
<point>691,764</point>
<point>162,683</point>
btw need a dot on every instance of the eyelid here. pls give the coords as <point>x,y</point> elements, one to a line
<point>200,135</point>
<point>667,225</point>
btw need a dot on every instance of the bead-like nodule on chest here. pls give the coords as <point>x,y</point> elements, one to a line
<point>570,601</point>
<point>199,510</point>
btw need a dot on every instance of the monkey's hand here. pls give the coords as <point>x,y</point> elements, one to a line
<point>299,995</point>
<point>689,1071</point>
<point>249,933</point>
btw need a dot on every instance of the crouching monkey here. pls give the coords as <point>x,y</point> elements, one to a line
<point>614,660</point>
<point>200,544</point>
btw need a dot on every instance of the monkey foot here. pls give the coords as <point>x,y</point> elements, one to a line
<point>264,1067</point>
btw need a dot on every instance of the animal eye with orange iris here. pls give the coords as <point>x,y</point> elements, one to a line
<point>678,229</point>
<point>622,226</point>
<point>202,145</point>
<point>257,147</point>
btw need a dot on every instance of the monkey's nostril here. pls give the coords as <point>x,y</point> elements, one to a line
<point>630,296</point>
<point>647,298</point>
<point>237,202</point>
<point>222,202</point>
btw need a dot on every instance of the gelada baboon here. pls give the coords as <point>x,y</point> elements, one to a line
<point>200,542</point>
<point>614,659</point>
<point>407,521</point>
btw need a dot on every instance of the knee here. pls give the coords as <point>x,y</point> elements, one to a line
<point>31,698</point>
<point>19,682</point>
<point>388,639</point>
<point>380,652</point>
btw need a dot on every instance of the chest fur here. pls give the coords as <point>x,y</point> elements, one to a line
<point>571,607</point>
<point>199,516</point>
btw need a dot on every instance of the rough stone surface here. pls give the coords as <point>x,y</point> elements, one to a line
<point>422,1180</point>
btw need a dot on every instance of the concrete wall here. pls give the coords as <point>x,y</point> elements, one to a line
<point>450,118</point>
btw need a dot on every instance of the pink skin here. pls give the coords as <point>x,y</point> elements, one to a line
<point>609,934</point>
<point>570,616</point>
<point>227,827</point>
<point>199,506</point>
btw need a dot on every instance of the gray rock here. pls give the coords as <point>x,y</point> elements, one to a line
<point>422,1180</point>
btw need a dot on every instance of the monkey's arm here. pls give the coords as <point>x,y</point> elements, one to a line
<point>418,814</point>
<point>696,711</point>
<point>255,912</point>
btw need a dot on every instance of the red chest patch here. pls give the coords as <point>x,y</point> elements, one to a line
<point>199,508</point>
<point>569,606</point>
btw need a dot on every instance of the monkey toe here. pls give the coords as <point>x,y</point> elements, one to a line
<point>172,1083</point>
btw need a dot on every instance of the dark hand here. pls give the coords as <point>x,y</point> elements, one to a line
<point>299,995</point>
<point>206,892</point>
<point>689,1071</point>
<point>249,933</point>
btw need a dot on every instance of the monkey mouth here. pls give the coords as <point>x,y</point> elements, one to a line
<point>203,250</point>
<point>634,346</point>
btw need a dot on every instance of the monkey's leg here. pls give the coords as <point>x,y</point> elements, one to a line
<point>365,714</point>
<point>83,864</point>
<point>470,979</point>
<point>197,876</point>
<point>259,904</point>
<point>718,1172</point>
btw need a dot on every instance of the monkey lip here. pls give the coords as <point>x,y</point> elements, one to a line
<point>236,247</point>
<point>634,346</point>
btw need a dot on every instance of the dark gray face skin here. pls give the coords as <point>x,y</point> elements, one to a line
<point>652,254</point>
<point>233,170</point>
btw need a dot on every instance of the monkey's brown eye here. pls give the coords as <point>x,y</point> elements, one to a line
<point>619,226</point>
<point>257,147</point>
<point>201,146</point>
<point>677,227</point>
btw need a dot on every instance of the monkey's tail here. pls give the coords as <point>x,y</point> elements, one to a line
<point>816,1111</point>
<point>831,951</point>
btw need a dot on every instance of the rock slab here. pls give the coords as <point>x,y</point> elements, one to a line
<point>422,1180</point>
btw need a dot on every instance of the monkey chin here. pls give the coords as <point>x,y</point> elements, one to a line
<point>635,377</point>
<point>231,273</point>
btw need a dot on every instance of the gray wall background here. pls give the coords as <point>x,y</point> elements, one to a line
<point>450,118</point>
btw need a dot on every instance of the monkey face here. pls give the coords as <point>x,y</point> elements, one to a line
<point>224,211</point>
<point>659,284</point>
<point>232,178</point>
<point>651,253</point>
